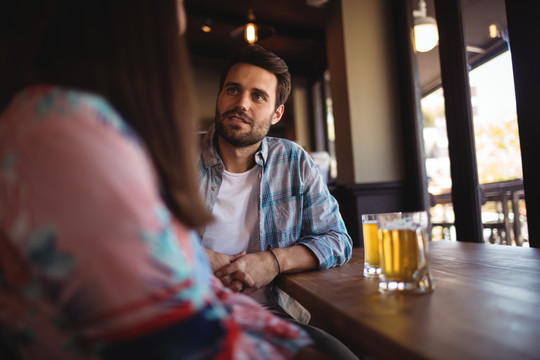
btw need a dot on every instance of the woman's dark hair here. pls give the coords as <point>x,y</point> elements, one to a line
<point>258,56</point>
<point>131,53</point>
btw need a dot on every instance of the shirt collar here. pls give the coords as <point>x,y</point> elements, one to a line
<point>209,154</point>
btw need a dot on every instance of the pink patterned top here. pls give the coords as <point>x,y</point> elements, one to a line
<point>92,264</point>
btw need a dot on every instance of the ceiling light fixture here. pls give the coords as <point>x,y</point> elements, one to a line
<point>426,35</point>
<point>252,32</point>
<point>207,26</point>
<point>493,31</point>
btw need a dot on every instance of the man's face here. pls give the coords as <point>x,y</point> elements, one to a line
<point>245,107</point>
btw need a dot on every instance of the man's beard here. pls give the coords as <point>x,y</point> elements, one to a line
<point>232,133</point>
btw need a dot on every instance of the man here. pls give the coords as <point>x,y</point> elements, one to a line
<point>273,211</point>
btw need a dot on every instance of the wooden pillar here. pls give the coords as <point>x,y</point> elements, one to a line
<point>459,125</point>
<point>524,34</point>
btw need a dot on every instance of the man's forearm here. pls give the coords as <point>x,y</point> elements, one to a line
<point>296,258</point>
<point>333,248</point>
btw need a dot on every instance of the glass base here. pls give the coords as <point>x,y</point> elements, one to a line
<point>371,272</point>
<point>403,287</point>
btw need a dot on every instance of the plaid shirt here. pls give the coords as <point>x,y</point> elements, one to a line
<point>295,206</point>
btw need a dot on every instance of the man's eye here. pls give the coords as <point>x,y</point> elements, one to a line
<point>232,91</point>
<point>258,97</point>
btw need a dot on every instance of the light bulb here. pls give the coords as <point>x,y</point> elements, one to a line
<point>426,37</point>
<point>250,33</point>
<point>493,31</point>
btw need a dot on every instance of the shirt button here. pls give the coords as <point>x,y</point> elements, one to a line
<point>213,188</point>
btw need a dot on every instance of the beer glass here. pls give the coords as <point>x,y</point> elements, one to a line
<point>372,268</point>
<point>403,253</point>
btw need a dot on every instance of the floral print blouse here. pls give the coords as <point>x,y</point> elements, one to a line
<point>92,264</point>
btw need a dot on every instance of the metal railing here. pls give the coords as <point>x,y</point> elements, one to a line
<point>505,225</point>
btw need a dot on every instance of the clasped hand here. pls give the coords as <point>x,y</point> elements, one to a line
<point>243,272</point>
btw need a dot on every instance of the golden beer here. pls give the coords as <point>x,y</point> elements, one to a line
<point>371,244</point>
<point>403,253</point>
<point>400,255</point>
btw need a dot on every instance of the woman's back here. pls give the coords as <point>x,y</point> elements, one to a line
<point>93,260</point>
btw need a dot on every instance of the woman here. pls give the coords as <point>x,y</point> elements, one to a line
<point>98,195</point>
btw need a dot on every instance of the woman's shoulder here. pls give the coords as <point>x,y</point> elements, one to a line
<point>40,110</point>
<point>41,103</point>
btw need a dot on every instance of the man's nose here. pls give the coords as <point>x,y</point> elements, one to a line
<point>243,101</point>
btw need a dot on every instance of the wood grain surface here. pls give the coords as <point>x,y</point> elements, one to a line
<point>486,305</point>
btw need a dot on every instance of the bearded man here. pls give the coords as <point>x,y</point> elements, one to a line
<point>273,211</point>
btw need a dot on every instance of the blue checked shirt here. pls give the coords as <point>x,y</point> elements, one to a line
<point>295,206</point>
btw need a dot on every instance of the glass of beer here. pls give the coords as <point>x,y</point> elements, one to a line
<point>372,268</point>
<point>403,253</point>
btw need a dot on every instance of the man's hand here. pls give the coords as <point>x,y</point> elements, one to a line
<point>219,260</point>
<point>249,272</point>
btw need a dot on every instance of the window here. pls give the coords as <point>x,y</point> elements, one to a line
<point>494,120</point>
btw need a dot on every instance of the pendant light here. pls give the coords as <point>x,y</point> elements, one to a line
<point>252,32</point>
<point>426,35</point>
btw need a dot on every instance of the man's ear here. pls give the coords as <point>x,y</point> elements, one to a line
<point>278,114</point>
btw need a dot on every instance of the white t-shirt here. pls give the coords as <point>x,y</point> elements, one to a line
<point>236,213</point>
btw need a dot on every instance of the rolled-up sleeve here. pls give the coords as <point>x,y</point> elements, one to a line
<point>297,207</point>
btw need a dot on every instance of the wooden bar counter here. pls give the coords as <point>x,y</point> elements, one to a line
<point>486,305</point>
